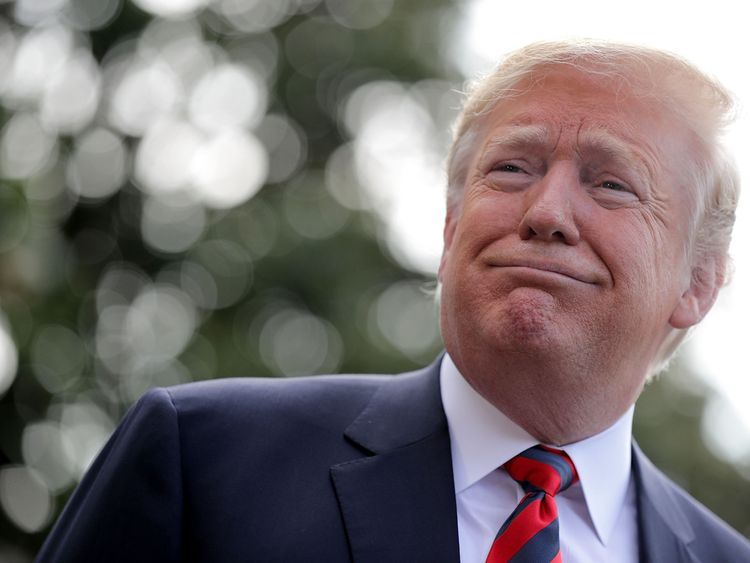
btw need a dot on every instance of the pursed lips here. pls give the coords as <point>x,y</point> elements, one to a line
<point>567,270</point>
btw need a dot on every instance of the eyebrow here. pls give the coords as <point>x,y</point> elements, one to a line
<point>601,143</point>
<point>515,137</point>
<point>519,136</point>
<point>594,142</point>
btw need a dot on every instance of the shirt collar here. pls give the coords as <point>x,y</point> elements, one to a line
<point>483,438</point>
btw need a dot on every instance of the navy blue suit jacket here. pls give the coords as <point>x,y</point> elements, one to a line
<point>321,469</point>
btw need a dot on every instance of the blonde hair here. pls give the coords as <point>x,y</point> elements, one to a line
<point>695,99</point>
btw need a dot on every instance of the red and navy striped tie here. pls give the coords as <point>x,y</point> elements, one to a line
<point>531,533</point>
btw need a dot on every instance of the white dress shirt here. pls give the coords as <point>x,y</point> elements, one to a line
<point>597,515</point>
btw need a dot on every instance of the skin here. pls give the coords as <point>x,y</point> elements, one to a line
<point>567,263</point>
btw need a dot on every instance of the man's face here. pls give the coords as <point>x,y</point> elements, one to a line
<point>571,244</point>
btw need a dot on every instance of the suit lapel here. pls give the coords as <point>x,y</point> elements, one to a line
<point>665,532</point>
<point>398,504</point>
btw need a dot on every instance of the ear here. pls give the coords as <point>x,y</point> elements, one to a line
<point>449,230</point>
<point>705,282</point>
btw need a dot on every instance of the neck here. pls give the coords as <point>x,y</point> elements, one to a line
<point>556,403</point>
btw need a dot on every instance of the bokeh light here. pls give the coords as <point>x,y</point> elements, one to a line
<point>172,225</point>
<point>286,145</point>
<point>26,147</point>
<point>41,53</point>
<point>149,331</point>
<point>8,357</point>
<point>721,420</point>
<point>97,167</point>
<point>405,316</point>
<point>145,93</point>
<point>160,161</point>
<point>90,15</point>
<point>71,95</point>
<point>227,96</point>
<point>226,267</point>
<point>25,498</point>
<point>294,342</point>
<point>85,427</point>
<point>171,8</point>
<point>31,12</point>
<point>359,14</point>
<point>44,450</point>
<point>309,209</point>
<point>254,16</point>
<point>229,168</point>
<point>58,357</point>
<point>398,153</point>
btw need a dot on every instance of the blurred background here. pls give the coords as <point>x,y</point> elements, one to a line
<point>192,189</point>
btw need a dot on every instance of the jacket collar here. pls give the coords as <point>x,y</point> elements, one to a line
<point>405,410</point>
<point>665,532</point>
<point>398,502</point>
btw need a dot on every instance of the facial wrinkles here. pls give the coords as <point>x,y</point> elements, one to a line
<point>660,209</point>
<point>662,221</point>
<point>591,141</point>
<point>618,146</point>
<point>530,138</point>
<point>598,145</point>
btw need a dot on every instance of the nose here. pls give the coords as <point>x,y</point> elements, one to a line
<point>550,209</point>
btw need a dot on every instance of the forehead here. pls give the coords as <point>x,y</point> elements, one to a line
<point>589,137</point>
<point>574,101</point>
<point>594,115</point>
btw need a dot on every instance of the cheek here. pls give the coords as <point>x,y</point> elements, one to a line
<point>644,268</point>
<point>491,216</point>
<point>626,250</point>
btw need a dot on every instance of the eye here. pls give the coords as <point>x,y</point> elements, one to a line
<point>507,173</point>
<point>508,168</point>
<point>615,186</point>
<point>613,194</point>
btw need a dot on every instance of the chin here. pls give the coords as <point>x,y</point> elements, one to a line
<point>526,316</point>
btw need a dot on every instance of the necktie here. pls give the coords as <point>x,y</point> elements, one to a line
<point>531,533</point>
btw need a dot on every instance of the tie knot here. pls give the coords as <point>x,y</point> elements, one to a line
<point>542,469</point>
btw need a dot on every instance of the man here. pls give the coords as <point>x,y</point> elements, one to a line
<point>589,213</point>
